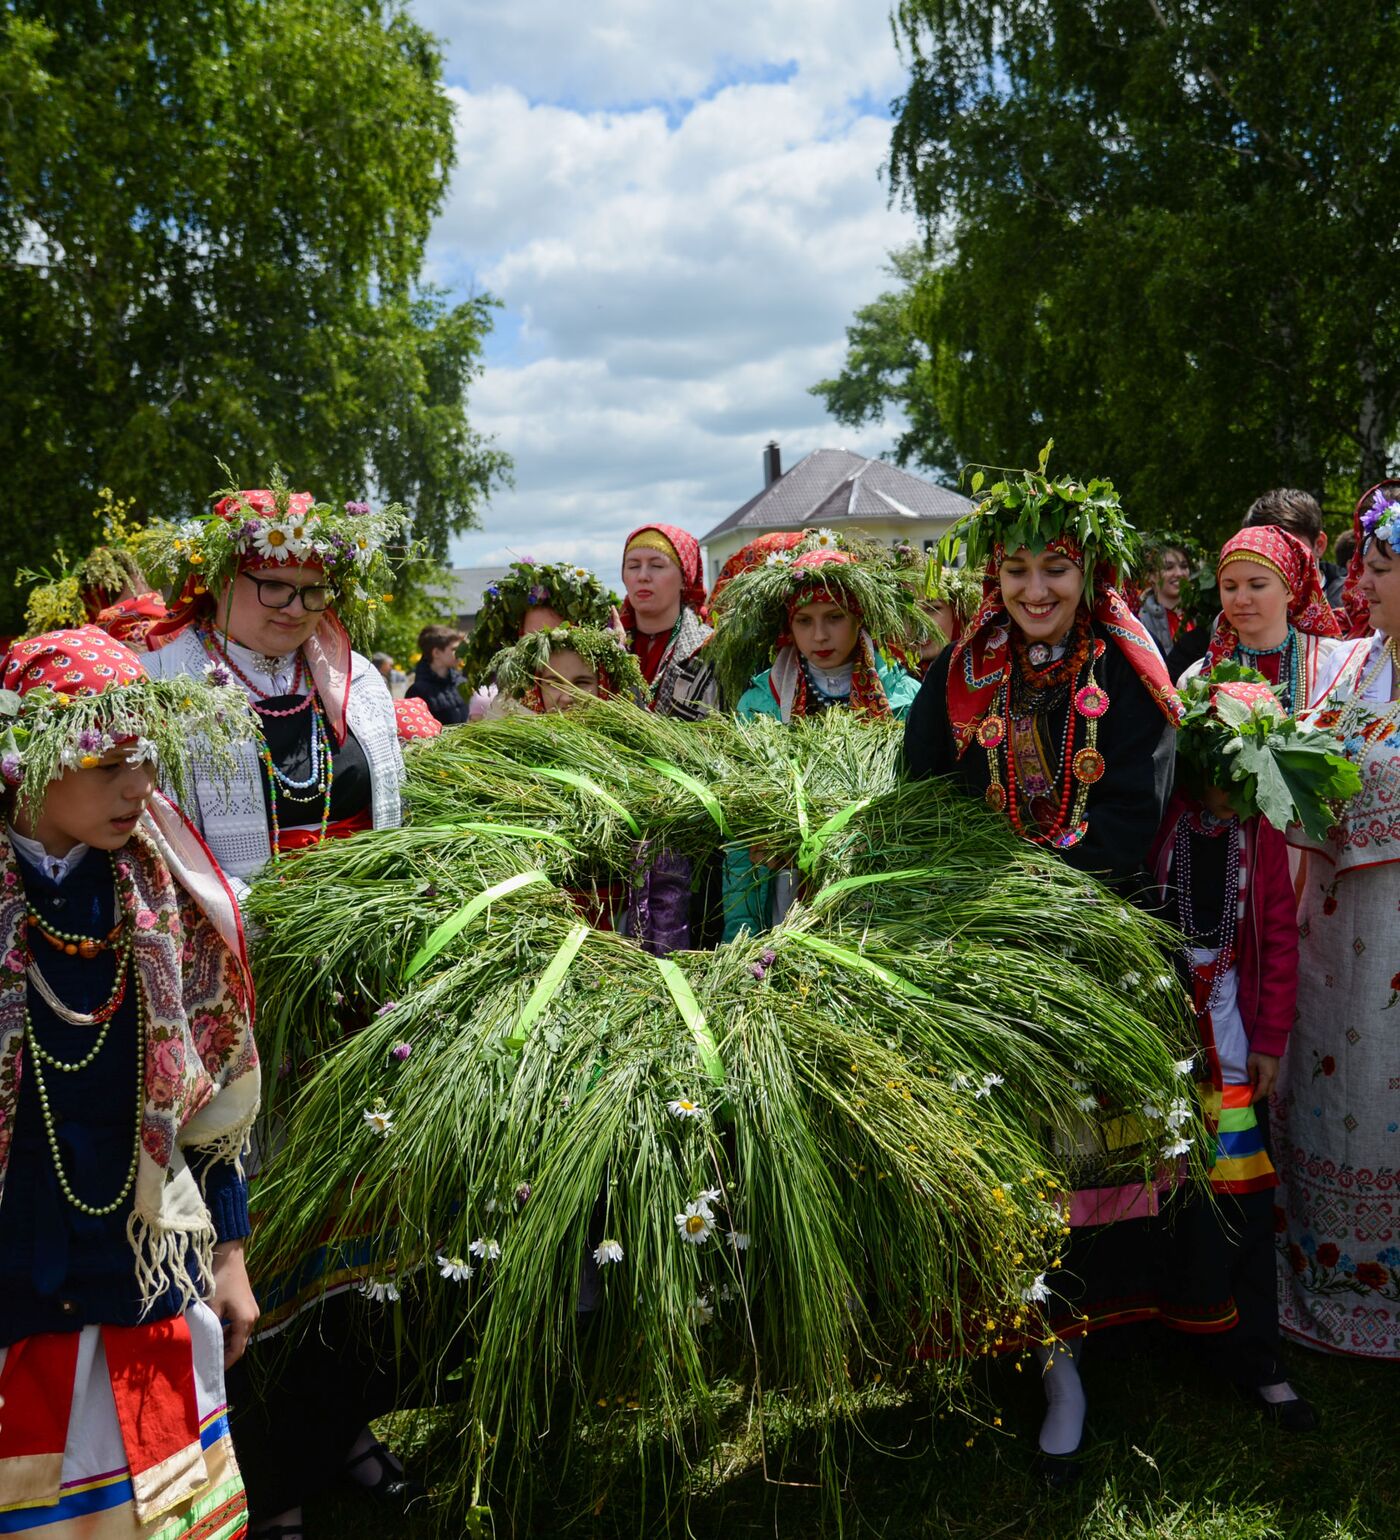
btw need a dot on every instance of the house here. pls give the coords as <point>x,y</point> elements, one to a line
<point>462,602</point>
<point>835,489</point>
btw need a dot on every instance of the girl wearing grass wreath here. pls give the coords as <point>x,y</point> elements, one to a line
<point>532,596</point>
<point>815,611</point>
<point>1055,709</point>
<point>1276,619</point>
<point>1337,1114</point>
<point>272,588</point>
<point>554,670</point>
<point>1246,772</point>
<point>121,1226</point>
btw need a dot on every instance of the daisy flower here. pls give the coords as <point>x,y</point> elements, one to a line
<point>380,1290</point>
<point>683,1108</point>
<point>1038,1292</point>
<point>1178,1147</point>
<point>739,1239</point>
<point>379,1120</point>
<point>826,540</point>
<point>454,1269</point>
<point>702,1312</point>
<point>988,1082</point>
<point>779,559</point>
<point>271,539</point>
<point>607,1251</point>
<point>695,1223</point>
<point>710,1195</point>
<point>301,535</point>
<point>487,1250</point>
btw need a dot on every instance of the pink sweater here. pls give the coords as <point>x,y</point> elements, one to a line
<point>1266,941</point>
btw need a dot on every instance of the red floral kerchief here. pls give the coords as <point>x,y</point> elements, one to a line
<point>413,720</point>
<point>1354,614</point>
<point>82,660</point>
<point>749,556</point>
<point>1290,557</point>
<point>982,654</point>
<point>687,548</point>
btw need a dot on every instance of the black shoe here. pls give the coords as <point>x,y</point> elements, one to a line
<point>391,1485</point>
<point>1059,1472</point>
<point>1296,1416</point>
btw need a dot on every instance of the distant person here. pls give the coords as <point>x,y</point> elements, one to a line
<point>437,679</point>
<point>1161,604</point>
<point>385,664</point>
<point>1299,513</point>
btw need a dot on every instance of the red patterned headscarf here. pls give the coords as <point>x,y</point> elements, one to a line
<point>686,550</point>
<point>1291,559</point>
<point>78,661</point>
<point>1354,614</point>
<point>982,654</point>
<point>130,619</point>
<point>412,719</point>
<point>749,556</point>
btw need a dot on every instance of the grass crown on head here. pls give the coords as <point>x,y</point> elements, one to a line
<point>275,526</point>
<point>518,668</point>
<point>572,592</point>
<point>1033,510</point>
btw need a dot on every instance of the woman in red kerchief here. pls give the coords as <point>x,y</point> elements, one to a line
<point>1354,612</point>
<point>1054,706</point>
<point>272,588</point>
<point>663,616</point>
<point>1055,709</point>
<point>123,1292</point>
<point>1275,618</point>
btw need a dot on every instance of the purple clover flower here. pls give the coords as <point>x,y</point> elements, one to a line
<point>757,969</point>
<point>388,1006</point>
<point>768,957</point>
<point>359,508</point>
<point>90,741</point>
<point>10,769</point>
<point>401,1051</point>
<point>219,675</point>
<point>537,595</point>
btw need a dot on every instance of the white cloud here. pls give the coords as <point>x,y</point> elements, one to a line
<point>674,276</point>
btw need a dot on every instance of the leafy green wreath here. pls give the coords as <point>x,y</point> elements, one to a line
<point>517,668</point>
<point>572,592</point>
<point>782,1162</point>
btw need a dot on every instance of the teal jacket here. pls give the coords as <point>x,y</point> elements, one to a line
<point>748,888</point>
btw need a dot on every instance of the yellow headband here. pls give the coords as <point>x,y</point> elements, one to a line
<point>1259,559</point>
<point>652,540</point>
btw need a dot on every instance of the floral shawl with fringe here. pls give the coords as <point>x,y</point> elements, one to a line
<point>201,1066</point>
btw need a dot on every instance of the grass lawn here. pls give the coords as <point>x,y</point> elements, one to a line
<point>1173,1456</point>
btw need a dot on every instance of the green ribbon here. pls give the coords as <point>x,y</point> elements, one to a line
<point>811,846</point>
<point>514,830</point>
<point>848,884</point>
<point>697,788</point>
<point>851,959</point>
<point>694,1018</point>
<point>547,986</point>
<point>573,778</point>
<point>463,917</point>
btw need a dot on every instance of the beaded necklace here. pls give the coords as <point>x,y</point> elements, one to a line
<point>1290,672</point>
<point>1349,718</point>
<point>1229,913</point>
<point>825,699</point>
<point>322,777</point>
<point>1078,770</point>
<point>40,1057</point>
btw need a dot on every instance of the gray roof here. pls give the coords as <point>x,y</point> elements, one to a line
<point>468,585</point>
<point>832,486</point>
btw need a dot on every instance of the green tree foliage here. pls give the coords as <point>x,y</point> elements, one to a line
<point>212,223</point>
<point>1162,230</point>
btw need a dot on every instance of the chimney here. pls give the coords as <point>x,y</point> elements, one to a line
<point>772,463</point>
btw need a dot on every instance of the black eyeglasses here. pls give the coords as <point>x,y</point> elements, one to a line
<point>273,594</point>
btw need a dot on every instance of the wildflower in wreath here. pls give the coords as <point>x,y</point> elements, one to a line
<point>607,1251</point>
<point>454,1269</point>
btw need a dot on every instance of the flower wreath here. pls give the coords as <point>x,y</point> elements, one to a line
<point>203,555</point>
<point>1236,735</point>
<point>73,594</point>
<point>517,668</point>
<point>752,613</point>
<point>1030,509</point>
<point>573,593</point>
<point>67,723</point>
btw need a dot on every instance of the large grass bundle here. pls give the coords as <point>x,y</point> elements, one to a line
<point>805,1152</point>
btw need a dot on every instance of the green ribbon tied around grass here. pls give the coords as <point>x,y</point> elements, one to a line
<point>461,918</point>
<point>852,959</point>
<point>508,830</point>
<point>697,788</point>
<point>849,884</point>
<point>547,986</point>
<point>694,1018</point>
<point>811,846</point>
<point>573,778</point>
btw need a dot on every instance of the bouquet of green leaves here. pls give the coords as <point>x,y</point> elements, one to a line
<point>1237,736</point>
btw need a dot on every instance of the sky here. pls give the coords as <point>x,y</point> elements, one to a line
<point>680,208</point>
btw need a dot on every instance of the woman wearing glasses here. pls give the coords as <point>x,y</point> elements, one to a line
<point>272,589</point>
